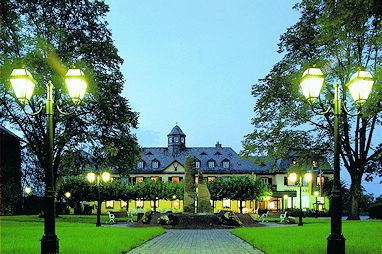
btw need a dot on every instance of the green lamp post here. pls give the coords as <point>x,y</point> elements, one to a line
<point>23,85</point>
<point>359,86</point>
<point>91,177</point>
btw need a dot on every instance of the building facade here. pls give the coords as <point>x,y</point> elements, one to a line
<point>167,164</point>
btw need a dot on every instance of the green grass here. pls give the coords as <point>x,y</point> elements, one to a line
<point>77,234</point>
<point>361,237</point>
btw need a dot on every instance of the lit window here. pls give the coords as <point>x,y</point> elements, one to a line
<point>139,179</point>
<point>226,203</point>
<point>305,202</point>
<point>225,164</point>
<point>320,181</point>
<point>140,164</point>
<point>210,179</point>
<point>175,204</point>
<point>197,164</point>
<point>154,178</point>
<point>156,203</point>
<point>271,205</point>
<point>176,139</point>
<point>242,203</point>
<point>175,179</point>
<point>139,203</point>
<point>155,164</point>
<point>123,204</point>
<point>211,164</point>
<point>110,204</point>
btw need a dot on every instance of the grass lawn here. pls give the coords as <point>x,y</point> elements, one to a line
<point>361,237</point>
<point>77,234</point>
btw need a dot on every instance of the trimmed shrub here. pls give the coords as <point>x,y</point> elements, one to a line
<point>375,211</point>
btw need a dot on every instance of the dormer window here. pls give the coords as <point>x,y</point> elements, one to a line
<point>211,164</point>
<point>141,164</point>
<point>155,164</point>
<point>226,164</point>
<point>197,164</point>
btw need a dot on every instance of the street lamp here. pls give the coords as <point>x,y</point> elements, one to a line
<point>28,190</point>
<point>23,85</point>
<point>106,177</point>
<point>359,86</point>
<point>68,194</point>
<point>298,178</point>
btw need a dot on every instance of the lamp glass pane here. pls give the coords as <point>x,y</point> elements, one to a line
<point>22,83</point>
<point>76,84</point>
<point>90,177</point>
<point>360,86</point>
<point>105,176</point>
<point>293,177</point>
<point>308,177</point>
<point>311,84</point>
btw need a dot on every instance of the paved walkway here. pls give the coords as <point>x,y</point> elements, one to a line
<point>182,241</point>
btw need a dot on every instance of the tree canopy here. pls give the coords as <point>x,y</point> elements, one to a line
<point>48,37</point>
<point>340,37</point>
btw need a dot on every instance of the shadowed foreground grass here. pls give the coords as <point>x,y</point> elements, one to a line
<point>77,234</point>
<point>361,237</point>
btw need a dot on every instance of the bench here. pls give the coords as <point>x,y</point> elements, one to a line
<point>273,215</point>
<point>113,215</point>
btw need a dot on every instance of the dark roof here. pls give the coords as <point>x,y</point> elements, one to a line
<point>203,154</point>
<point>176,131</point>
<point>8,132</point>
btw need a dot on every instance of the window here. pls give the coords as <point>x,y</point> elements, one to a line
<point>289,182</point>
<point>110,204</point>
<point>197,164</point>
<point>139,179</point>
<point>170,139</point>
<point>264,180</point>
<point>305,202</point>
<point>226,203</point>
<point>210,179</point>
<point>175,204</point>
<point>182,139</point>
<point>271,205</point>
<point>226,164</point>
<point>242,203</point>
<point>211,164</point>
<point>140,164</point>
<point>154,178</point>
<point>139,203</point>
<point>123,204</point>
<point>322,180</point>
<point>155,164</point>
<point>156,203</point>
<point>175,179</point>
<point>176,139</point>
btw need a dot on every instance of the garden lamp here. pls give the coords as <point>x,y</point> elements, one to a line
<point>91,177</point>
<point>23,84</point>
<point>311,83</point>
<point>106,176</point>
<point>67,194</point>
<point>76,84</point>
<point>360,86</point>
<point>28,190</point>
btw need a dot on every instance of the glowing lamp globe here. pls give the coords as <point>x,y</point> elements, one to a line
<point>293,177</point>
<point>91,177</point>
<point>311,83</point>
<point>23,84</point>
<point>28,190</point>
<point>67,194</point>
<point>76,84</point>
<point>106,176</point>
<point>316,193</point>
<point>308,177</point>
<point>360,86</point>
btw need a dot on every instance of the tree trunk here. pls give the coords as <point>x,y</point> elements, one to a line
<point>241,206</point>
<point>355,195</point>
<point>155,205</point>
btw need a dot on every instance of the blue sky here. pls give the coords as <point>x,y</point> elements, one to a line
<point>193,63</point>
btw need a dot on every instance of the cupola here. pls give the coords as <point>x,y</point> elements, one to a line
<point>176,140</point>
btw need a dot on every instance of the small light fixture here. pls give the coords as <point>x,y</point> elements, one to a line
<point>106,176</point>
<point>285,196</point>
<point>23,84</point>
<point>360,86</point>
<point>76,84</point>
<point>67,194</point>
<point>311,83</point>
<point>316,193</point>
<point>91,177</point>
<point>293,177</point>
<point>28,190</point>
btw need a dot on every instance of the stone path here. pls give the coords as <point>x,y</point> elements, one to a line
<point>198,241</point>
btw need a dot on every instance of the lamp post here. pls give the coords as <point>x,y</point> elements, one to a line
<point>300,176</point>
<point>316,195</point>
<point>23,85</point>
<point>67,196</point>
<point>359,86</point>
<point>96,177</point>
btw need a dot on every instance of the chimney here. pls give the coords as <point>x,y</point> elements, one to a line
<point>218,145</point>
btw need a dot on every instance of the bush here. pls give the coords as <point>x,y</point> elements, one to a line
<point>375,211</point>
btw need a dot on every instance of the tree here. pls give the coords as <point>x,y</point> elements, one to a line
<point>48,37</point>
<point>339,37</point>
<point>150,190</point>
